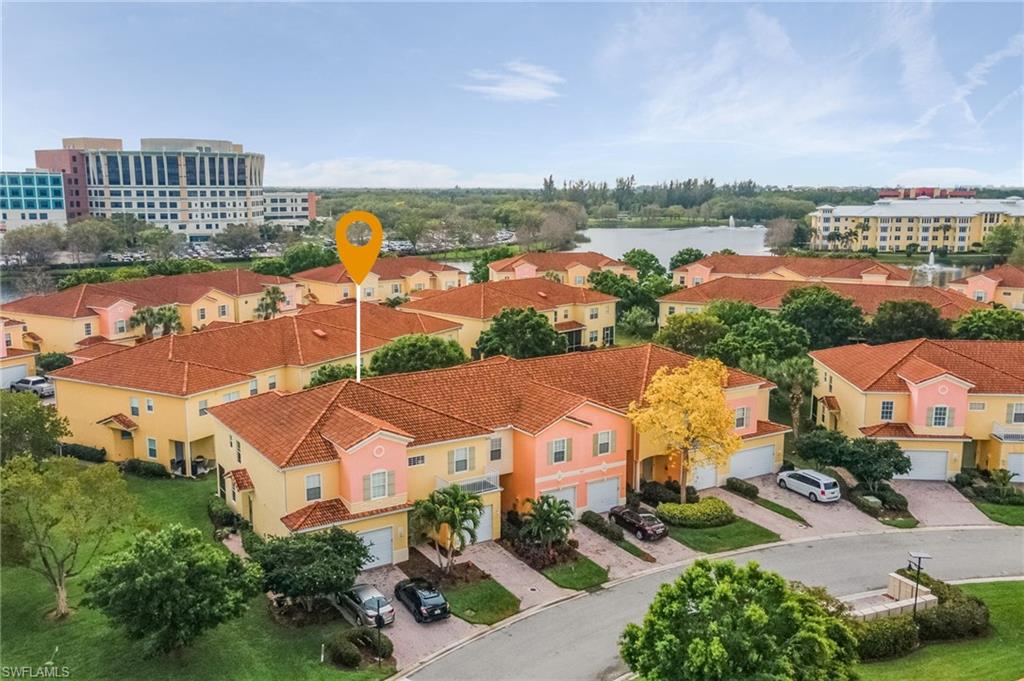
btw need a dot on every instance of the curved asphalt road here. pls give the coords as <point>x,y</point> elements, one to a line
<point>577,639</point>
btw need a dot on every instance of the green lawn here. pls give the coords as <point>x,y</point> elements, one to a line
<point>483,602</point>
<point>735,535</point>
<point>630,547</point>
<point>781,510</point>
<point>994,658</point>
<point>902,523</point>
<point>578,574</point>
<point>251,648</point>
<point>1002,513</point>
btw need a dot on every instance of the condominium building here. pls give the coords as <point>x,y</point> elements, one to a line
<point>568,267</point>
<point>289,209</point>
<point>791,268</point>
<point>70,163</point>
<point>1003,285</point>
<point>389,277</point>
<point>955,224</point>
<point>32,197</point>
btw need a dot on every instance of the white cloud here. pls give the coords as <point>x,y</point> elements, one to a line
<point>386,173</point>
<point>519,81</point>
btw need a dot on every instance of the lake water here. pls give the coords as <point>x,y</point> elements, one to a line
<point>664,243</point>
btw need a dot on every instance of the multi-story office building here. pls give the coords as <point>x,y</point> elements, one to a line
<point>32,197</point>
<point>193,187</point>
<point>70,163</point>
<point>931,224</point>
<point>289,209</point>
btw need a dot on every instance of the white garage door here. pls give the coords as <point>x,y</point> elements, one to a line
<point>704,477</point>
<point>602,494</point>
<point>1015,464</point>
<point>380,545</point>
<point>750,463</point>
<point>567,493</point>
<point>9,375</point>
<point>925,465</point>
<point>486,529</point>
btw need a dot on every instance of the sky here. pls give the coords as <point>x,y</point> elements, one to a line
<point>501,95</point>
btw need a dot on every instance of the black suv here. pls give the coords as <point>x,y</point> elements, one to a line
<point>425,602</point>
<point>642,525</point>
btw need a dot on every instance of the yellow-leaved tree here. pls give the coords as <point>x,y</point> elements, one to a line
<point>684,412</point>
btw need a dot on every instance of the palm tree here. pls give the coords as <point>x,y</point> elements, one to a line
<point>453,513</point>
<point>269,303</point>
<point>795,376</point>
<point>169,320</point>
<point>548,521</point>
<point>148,318</point>
<point>1001,479</point>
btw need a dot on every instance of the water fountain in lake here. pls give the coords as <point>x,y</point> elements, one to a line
<point>933,274</point>
<point>732,221</point>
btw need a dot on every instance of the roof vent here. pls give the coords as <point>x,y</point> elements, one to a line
<point>542,294</point>
<point>319,333</point>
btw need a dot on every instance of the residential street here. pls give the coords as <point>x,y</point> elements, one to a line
<point>845,565</point>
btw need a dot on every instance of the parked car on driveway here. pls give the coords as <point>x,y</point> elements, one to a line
<point>810,483</point>
<point>363,601</point>
<point>33,384</point>
<point>641,525</point>
<point>424,601</point>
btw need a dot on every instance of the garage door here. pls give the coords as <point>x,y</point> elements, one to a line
<point>925,465</point>
<point>750,463</point>
<point>602,494</point>
<point>704,477</point>
<point>379,542</point>
<point>9,375</point>
<point>486,529</point>
<point>1015,464</point>
<point>567,493</point>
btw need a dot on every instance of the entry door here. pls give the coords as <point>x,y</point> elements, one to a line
<point>486,530</point>
<point>647,469</point>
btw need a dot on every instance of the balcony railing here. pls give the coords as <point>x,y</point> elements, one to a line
<point>481,484</point>
<point>1008,432</point>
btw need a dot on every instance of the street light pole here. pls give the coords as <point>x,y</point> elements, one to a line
<point>916,558</point>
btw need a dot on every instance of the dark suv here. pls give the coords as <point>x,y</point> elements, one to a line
<point>641,525</point>
<point>424,601</point>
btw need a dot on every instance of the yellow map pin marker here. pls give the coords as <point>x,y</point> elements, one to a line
<point>358,260</point>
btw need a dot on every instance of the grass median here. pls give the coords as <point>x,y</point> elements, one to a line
<point>483,602</point>
<point>736,535</point>
<point>579,574</point>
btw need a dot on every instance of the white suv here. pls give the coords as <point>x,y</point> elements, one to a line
<point>811,484</point>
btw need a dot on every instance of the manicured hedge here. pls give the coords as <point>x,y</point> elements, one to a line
<point>366,638</point>
<point>869,504</point>
<point>145,469</point>
<point>709,512</point>
<point>597,523</point>
<point>251,541</point>
<point>220,514</point>
<point>742,487</point>
<point>84,452</point>
<point>886,637</point>
<point>653,493</point>
<point>956,616</point>
<point>343,652</point>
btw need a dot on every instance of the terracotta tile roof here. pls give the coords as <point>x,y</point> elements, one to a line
<point>840,268</point>
<point>32,336</point>
<point>767,428</point>
<point>19,352</point>
<point>902,431</point>
<point>97,350</point>
<point>123,422</point>
<point>557,260</point>
<point>1010,276</point>
<point>81,300</point>
<point>569,326</point>
<point>487,299</point>
<point>831,402</point>
<point>768,294</point>
<point>242,480</point>
<point>91,340</point>
<point>7,321</point>
<point>329,512</point>
<point>385,268</point>
<point>187,364</point>
<point>991,366</point>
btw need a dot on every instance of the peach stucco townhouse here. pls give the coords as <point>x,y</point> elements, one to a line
<point>1003,285</point>
<point>792,268</point>
<point>390,277</point>
<point>570,267</point>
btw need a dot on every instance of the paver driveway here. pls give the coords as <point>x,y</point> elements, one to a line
<point>825,518</point>
<point>665,550</point>
<point>529,586</point>
<point>748,510</point>
<point>616,560</point>
<point>938,503</point>
<point>414,641</point>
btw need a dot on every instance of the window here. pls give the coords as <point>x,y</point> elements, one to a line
<point>603,441</point>
<point>940,417</point>
<point>696,280</point>
<point>378,484</point>
<point>396,288</point>
<point>671,309</point>
<point>271,382</point>
<point>149,405</point>
<point>7,340</point>
<point>88,329</point>
<point>560,451</point>
<point>580,280</point>
<point>1015,412</point>
<point>368,292</point>
<point>887,407</point>
<point>151,447</point>
<point>222,310</point>
<point>232,490</point>
<point>202,313</point>
<point>417,287</point>
<point>495,449</point>
<point>593,313</point>
<point>204,407</point>
<point>593,336</point>
<point>460,460</point>
<point>230,397</point>
<point>979,296</point>
<point>238,451</point>
<point>417,460</point>
<point>976,406</point>
<point>313,487</point>
<point>253,387</point>
<point>121,326</point>
<point>133,406</point>
<point>742,417</point>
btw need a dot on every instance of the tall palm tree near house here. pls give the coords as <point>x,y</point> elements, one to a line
<point>547,522</point>
<point>269,302</point>
<point>452,515</point>
<point>170,320</point>
<point>795,377</point>
<point>149,318</point>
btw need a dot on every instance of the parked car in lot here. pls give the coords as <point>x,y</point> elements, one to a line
<point>363,602</point>
<point>423,600</point>
<point>810,483</point>
<point>641,525</point>
<point>33,384</point>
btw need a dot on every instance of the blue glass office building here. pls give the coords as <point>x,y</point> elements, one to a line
<point>31,197</point>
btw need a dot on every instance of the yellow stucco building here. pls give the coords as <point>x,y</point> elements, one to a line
<point>390,277</point>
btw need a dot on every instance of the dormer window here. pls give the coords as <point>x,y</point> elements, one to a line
<point>940,416</point>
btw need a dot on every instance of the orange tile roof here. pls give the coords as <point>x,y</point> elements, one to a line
<point>991,366</point>
<point>97,350</point>
<point>385,268</point>
<point>81,300</point>
<point>831,402</point>
<point>242,480</point>
<point>768,294</point>
<point>19,352</point>
<point>329,512</point>
<point>1010,276</point>
<point>892,430</point>
<point>123,422</point>
<point>7,321</point>
<point>196,362</point>
<point>767,428</point>
<point>546,261</point>
<point>91,340</point>
<point>840,268</point>
<point>487,299</point>
<point>569,326</point>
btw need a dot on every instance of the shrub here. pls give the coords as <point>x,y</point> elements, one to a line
<point>220,514</point>
<point>969,492</point>
<point>145,469</point>
<point>742,487</point>
<point>940,589</point>
<point>633,500</point>
<point>870,505</point>
<point>343,652</point>
<point>891,499</point>
<point>598,524</point>
<point>886,637</point>
<point>787,466</point>
<point>51,361</point>
<point>251,541</point>
<point>692,497</point>
<point>994,495</point>
<point>965,617</point>
<point>84,452</point>
<point>366,638</point>
<point>963,479</point>
<point>654,493</point>
<point>710,512</point>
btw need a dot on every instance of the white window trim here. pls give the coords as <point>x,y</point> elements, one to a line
<point>555,451</point>
<point>204,407</point>
<point>881,410</point>
<point>373,476</point>
<point>150,405</point>
<point>976,406</point>
<point>319,486</point>
<point>741,417</point>
<point>604,442</point>
<point>945,416</point>
<point>491,450</point>
<point>155,453</point>
<point>465,458</point>
<point>1017,412</point>
<point>422,461</point>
